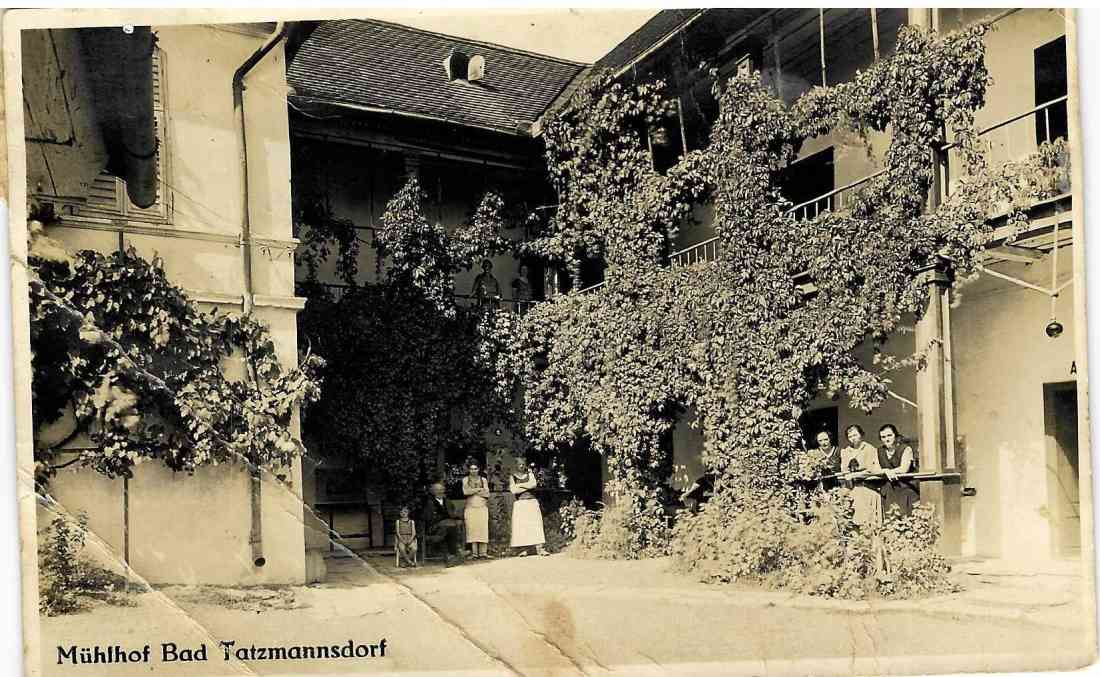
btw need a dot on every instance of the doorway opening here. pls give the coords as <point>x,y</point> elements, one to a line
<point>1060,423</point>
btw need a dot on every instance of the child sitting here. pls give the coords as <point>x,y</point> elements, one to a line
<point>406,539</point>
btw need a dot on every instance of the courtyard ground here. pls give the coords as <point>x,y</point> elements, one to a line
<point>561,616</point>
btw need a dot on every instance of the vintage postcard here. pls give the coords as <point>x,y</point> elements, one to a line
<point>550,342</point>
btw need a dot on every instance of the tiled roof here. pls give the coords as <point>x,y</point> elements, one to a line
<point>373,64</point>
<point>651,32</point>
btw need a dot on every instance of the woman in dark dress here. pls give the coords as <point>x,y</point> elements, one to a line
<point>896,458</point>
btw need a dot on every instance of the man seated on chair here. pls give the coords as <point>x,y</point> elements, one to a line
<point>442,524</point>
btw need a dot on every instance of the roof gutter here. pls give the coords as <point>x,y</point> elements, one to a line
<point>418,116</point>
<point>255,535</point>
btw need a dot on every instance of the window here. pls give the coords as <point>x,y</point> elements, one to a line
<point>107,195</point>
<point>807,179</point>
<point>1050,84</point>
<point>592,272</point>
<point>666,141</point>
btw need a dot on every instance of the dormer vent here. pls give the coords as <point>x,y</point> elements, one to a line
<point>476,69</point>
<point>458,66</point>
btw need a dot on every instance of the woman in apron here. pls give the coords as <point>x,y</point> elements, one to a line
<point>526,514</point>
<point>476,489</point>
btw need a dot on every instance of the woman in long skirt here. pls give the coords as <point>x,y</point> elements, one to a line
<point>861,456</point>
<point>476,489</point>
<point>526,514</point>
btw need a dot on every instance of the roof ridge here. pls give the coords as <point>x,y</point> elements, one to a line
<point>482,43</point>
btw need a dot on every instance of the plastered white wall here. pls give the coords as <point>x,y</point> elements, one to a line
<point>195,529</point>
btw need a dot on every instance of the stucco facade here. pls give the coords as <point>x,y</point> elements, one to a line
<point>178,528</point>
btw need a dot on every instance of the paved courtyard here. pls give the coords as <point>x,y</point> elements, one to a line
<point>561,616</point>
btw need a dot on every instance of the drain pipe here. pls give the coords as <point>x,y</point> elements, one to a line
<point>255,536</point>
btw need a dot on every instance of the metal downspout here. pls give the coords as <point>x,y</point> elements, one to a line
<point>255,537</point>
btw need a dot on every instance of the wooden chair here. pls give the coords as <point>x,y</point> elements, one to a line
<point>440,547</point>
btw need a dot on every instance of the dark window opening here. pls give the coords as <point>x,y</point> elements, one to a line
<point>817,420</point>
<point>558,279</point>
<point>666,142</point>
<point>592,272</point>
<point>807,179</point>
<point>700,110</point>
<point>1050,83</point>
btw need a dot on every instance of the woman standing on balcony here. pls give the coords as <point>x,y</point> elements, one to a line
<point>895,459</point>
<point>476,490</point>
<point>521,290</point>
<point>859,459</point>
<point>526,514</point>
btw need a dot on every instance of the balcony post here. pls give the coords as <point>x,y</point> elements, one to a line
<point>935,401</point>
<point>921,18</point>
<point>934,417</point>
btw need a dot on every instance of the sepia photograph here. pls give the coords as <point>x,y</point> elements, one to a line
<point>549,342</point>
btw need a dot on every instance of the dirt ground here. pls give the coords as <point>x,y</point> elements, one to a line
<point>561,616</point>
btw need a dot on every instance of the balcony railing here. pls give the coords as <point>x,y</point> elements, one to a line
<point>1017,137</point>
<point>835,200</point>
<point>339,290</point>
<point>495,303</point>
<point>1009,140</point>
<point>707,250</point>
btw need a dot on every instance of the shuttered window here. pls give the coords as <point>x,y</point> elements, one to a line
<point>107,196</point>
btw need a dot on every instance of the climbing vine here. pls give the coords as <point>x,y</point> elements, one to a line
<point>124,358</point>
<point>740,340</point>
<point>411,372</point>
<point>612,203</point>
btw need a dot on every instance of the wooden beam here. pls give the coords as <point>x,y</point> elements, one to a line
<point>778,58</point>
<point>1010,252</point>
<point>821,42</point>
<point>874,30</point>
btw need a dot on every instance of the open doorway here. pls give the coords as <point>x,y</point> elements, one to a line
<point>1060,423</point>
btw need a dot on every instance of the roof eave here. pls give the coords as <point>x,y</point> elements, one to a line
<point>660,43</point>
<point>539,126</point>
<point>523,129</point>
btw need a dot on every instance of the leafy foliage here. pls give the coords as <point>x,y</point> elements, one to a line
<point>737,339</point>
<point>316,225</point>
<point>610,534</point>
<point>66,579</point>
<point>410,371</point>
<point>613,204</point>
<point>569,514</point>
<point>819,551</point>
<point>133,364</point>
